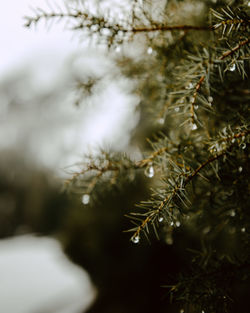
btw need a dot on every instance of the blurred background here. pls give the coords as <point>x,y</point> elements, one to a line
<point>56,254</point>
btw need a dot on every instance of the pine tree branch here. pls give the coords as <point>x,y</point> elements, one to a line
<point>230,52</point>
<point>89,20</point>
<point>197,87</point>
<point>111,167</point>
<point>179,187</point>
<point>145,162</point>
<point>169,28</point>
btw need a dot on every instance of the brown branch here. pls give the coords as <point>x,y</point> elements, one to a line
<point>114,168</point>
<point>229,52</point>
<point>170,28</point>
<point>188,179</point>
<point>145,162</point>
<point>195,172</point>
<point>197,87</point>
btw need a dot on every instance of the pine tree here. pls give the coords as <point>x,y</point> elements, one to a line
<point>191,73</point>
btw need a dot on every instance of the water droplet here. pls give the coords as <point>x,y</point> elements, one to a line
<point>160,219</point>
<point>243,229</point>
<point>232,67</point>
<point>85,199</point>
<point>169,240</point>
<point>232,213</point>
<point>177,109</point>
<point>178,223</point>
<point>172,224</point>
<point>232,230</point>
<point>248,4</point>
<point>161,121</point>
<point>202,311</point>
<point>194,126</point>
<point>150,50</point>
<point>196,107</point>
<point>243,146</point>
<point>240,169</point>
<point>206,230</point>
<point>190,86</point>
<point>149,171</point>
<point>135,239</point>
<point>233,140</point>
<point>117,49</point>
<point>181,311</point>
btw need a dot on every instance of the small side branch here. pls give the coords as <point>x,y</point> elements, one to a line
<point>236,48</point>
<point>197,87</point>
<point>188,178</point>
<point>170,28</point>
<point>148,160</point>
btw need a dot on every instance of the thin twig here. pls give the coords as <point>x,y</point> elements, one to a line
<point>188,179</point>
<point>197,87</point>
<point>169,28</point>
<point>229,52</point>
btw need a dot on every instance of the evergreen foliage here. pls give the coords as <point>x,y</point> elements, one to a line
<point>193,84</point>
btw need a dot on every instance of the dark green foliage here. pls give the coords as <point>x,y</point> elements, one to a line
<point>192,80</point>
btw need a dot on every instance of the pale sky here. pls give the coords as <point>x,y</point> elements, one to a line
<point>37,277</point>
<point>46,52</point>
<point>18,43</point>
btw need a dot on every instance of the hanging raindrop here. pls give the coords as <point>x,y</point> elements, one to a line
<point>232,67</point>
<point>135,239</point>
<point>169,239</point>
<point>243,229</point>
<point>232,213</point>
<point>149,171</point>
<point>194,126</point>
<point>161,121</point>
<point>243,146</point>
<point>240,169</point>
<point>233,140</point>
<point>178,223</point>
<point>181,311</point>
<point>190,86</point>
<point>210,99</point>
<point>150,50</point>
<point>118,49</point>
<point>177,109</point>
<point>85,199</point>
<point>172,224</point>
<point>160,219</point>
<point>196,107</point>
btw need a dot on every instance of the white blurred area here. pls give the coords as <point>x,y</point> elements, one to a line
<point>37,116</point>
<point>36,277</point>
<point>40,125</point>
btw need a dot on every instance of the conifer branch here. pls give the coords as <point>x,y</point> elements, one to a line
<point>148,160</point>
<point>112,167</point>
<point>197,87</point>
<point>170,28</point>
<point>230,52</point>
<point>179,187</point>
<point>231,19</point>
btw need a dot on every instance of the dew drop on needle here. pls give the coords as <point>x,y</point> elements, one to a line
<point>85,199</point>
